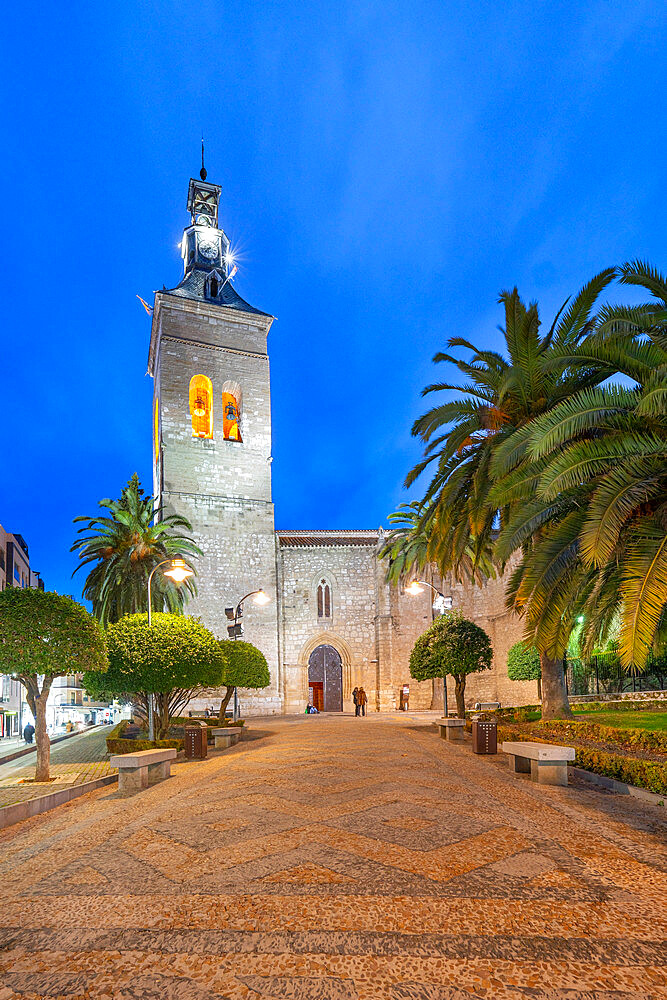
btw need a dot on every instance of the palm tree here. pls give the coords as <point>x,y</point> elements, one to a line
<point>124,547</point>
<point>482,436</point>
<point>601,509</point>
<point>412,544</point>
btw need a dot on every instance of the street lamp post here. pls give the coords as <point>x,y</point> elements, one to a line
<point>440,604</point>
<point>178,572</point>
<point>236,629</point>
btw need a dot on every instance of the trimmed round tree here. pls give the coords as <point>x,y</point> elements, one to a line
<point>453,646</point>
<point>172,660</point>
<point>44,635</point>
<point>246,668</point>
<point>523,664</point>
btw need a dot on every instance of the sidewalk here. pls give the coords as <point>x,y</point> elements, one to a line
<point>80,758</point>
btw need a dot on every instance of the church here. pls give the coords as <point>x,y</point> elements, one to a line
<point>332,623</point>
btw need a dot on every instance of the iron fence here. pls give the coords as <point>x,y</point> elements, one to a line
<point>603,674</point>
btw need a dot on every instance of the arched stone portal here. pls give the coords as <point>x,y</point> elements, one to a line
<point>325,679</point>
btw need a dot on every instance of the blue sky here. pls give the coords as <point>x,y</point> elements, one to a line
<point>386,168</point>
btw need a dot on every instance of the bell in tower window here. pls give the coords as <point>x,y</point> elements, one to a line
<point>231,411</point>
<point>201,406</point>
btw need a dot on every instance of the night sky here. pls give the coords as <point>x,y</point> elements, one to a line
<point>386,170</point>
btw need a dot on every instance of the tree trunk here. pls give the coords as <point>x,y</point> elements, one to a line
<point>161,716</point>
<point>37,701</point>
<point>42,771</point>
<point>223,705</point>
<point>554,695</point>
<point>460,690</point>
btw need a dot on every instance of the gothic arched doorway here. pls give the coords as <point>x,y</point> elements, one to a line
<point>325,679</point>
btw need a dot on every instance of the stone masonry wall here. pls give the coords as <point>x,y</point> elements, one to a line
<point>350,570</point>
<point>222,487</point>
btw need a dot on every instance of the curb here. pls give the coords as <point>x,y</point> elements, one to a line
<point>32,807</point>
<point>620,787</point>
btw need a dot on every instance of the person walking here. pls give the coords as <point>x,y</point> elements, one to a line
<point>355,699</point>
<point>28,732</point>
<point>362,700</point>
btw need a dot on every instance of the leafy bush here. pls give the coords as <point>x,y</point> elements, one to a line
<point>171,660</point>
<point>523,663</point>
<point>452,645</point>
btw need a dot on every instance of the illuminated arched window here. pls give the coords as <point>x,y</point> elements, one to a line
<point>323,599</point>
<point>231,411</point>
<point>201,406</point>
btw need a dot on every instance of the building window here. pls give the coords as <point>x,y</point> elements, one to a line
<point>201,406</point>
<point>231,411</point>
<point>323,600</point>
<point>213,285</point>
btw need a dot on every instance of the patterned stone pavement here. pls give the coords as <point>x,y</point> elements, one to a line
<point>73,762</point>
<point>341,859</point>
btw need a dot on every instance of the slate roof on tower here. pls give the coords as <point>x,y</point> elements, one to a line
<point>192,287</point>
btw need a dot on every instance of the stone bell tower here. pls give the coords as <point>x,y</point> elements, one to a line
<point>212,432</point>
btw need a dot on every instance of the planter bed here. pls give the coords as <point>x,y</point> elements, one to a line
<point>633,756</point>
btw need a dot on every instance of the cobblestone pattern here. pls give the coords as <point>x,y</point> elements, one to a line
<point>344,859</point>
<point>73,762</point>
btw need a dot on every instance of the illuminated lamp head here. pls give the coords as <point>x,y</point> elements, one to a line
<point>414,589</point>
<point>261,598</point>
<point>178,571</point>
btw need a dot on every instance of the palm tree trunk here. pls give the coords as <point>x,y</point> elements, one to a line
<point>555,704</point>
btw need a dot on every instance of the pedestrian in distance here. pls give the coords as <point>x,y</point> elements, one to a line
<point>362,699</point>
<point>28,732</point>
<point>355,699</point>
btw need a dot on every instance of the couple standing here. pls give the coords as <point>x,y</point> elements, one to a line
<point>360,701</point>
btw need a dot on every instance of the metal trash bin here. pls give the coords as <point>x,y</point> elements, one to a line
<point>196,742</point>
<point>484,736</point>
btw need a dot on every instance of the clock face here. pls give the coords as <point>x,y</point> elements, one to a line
<point>208,250</point>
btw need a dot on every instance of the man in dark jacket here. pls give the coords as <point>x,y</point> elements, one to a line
<point>28,732</point>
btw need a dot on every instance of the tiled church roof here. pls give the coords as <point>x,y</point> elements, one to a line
<point>329,537</point>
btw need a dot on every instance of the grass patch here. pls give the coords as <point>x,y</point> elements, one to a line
<point>649,720</point>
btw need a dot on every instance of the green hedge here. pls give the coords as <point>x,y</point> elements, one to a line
<point>632,739</point>
<point>212,723</point>
<point>132,746</point>
<point>116,743</point>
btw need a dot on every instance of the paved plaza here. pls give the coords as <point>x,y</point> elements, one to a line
<point>338,858</point>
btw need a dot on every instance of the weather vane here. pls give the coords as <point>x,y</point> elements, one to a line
<point>202,172</point>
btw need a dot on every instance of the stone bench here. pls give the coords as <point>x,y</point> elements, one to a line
<point>137,771</point>
<point>487,706</point>
<point>545,762</point>
<point>226,736</point>
<point>451,730</point>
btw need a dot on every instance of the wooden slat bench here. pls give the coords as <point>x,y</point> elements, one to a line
<point>143,768</point>
<point>545,762</point>
<point>451,730</point>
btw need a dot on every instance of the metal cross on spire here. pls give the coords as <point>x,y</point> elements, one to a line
<point>202,172</point>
